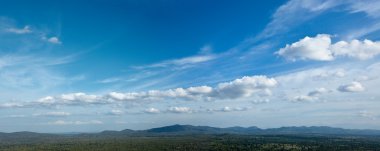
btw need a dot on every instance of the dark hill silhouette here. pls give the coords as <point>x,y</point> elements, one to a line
<point>190,130</point>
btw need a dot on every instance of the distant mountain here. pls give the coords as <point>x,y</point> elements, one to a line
<point>184,129</point>
<point>320,130</point>
<point>323,130</point>
<point>115,133</point>
<point>190,130</point>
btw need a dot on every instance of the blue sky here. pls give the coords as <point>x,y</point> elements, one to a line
<point>77,66</point>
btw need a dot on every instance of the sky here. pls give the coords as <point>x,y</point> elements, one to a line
<point>79,66</point>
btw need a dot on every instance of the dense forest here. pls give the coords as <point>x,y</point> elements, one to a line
<point>194,138</point>
<point>218,142</point>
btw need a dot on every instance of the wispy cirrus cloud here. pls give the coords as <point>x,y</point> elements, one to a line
<point>24,30</point>
<point>192,60</point>
<point>296,12</point>
<point>31,66</point>
<point>293,13</point>
<point>53,114</point>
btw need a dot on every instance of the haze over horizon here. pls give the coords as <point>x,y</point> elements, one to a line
<point>75,66</point>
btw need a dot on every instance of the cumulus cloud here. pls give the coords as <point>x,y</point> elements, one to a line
<point>62,122</point>
<point>317,92</point>
<point>320,48</point>
<point>242,88</point>
<point>71,99</point>
<point>200,90</point>
<point>179,110</point>
<point>245,87</point>
<point>231,109</point>
<point>308,48</point>
<point>352,87</point>
<point>131,96</point>
<point>304,98</point>
<point>152,110</point>
<point>238,88</point>
<point>311,96</point>
<point>357,49</point>
<point>24,30</point>
<point>54,40</point>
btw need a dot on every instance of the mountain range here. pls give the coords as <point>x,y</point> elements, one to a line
<point>195,130</point>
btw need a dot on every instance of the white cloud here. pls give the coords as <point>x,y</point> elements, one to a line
<point>192,60</point>
<point>71,99</point>
<point>312,96</point>
<point>239,88</point>
<point>25,69</point>
<point>179,110</point>
<point>370,7</point>
<point>200,90</point>
<point>352,87</point>
<point>11,105</point>
<point>357,49</point>
<point>295,12</point>
<point>313,48</point>
<point>62,122</point>
<point>53,114</point>
<point>304,98</point>
<point>242,88</point>
<point>53,40</point>
<point>306,85</point>
<point>187,60</point>
<point>116,112</point>
<point>152,110</point>
<point>232,109</point>
<point>245,87</point>
<point>324,84</point>
<point>320,48</point>
<point>132,96</point>
<point>24,30</point>
<point>317,92</point>
<point>16,116</point>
